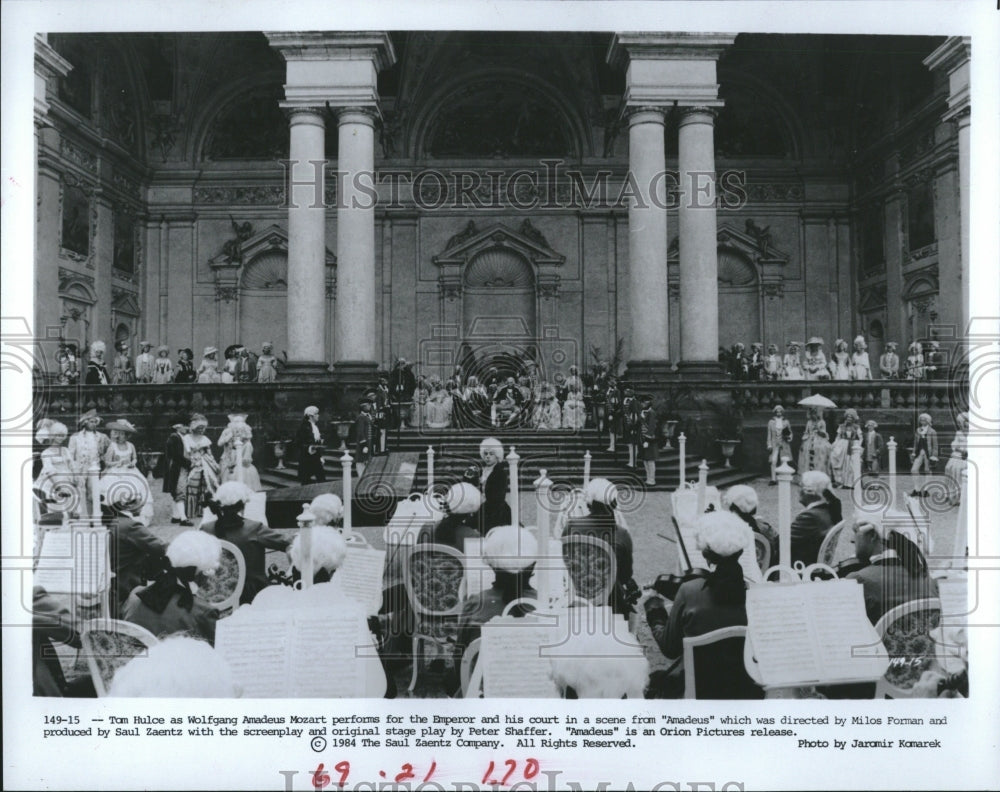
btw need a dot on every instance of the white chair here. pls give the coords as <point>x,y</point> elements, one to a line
<point>110,644</point>
<point>223,589</point>
<point>906,626</point>
<point>831,542</point>
<point>470,672</point>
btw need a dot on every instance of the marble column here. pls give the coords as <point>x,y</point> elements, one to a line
<point>306,244</point>
<point>355,313</point>
<point>962,118</point>
<point>647,238</point>
<point>696,221</point>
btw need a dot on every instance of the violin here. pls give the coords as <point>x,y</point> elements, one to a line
<point>849,565</point>
<point>668,585</point>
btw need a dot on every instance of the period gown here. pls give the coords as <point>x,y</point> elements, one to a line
<point>814,453</point>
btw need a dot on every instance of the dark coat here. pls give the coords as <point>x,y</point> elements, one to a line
<point>253,539</point>
<point>185,372</point>
<point>310,464</point>
<point>495,510</point>
<point>97,374</point>
<point>809,528</point>
<point>363,437</point>
<point>51,622</point>
<point>604,528</point>
<point>402,383</point>
<point>133,548</point>
<point>888,583</point>
<point>453,530</point>
<point>174,461</point>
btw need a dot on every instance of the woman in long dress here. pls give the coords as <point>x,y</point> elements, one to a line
<point>547,412</point>
<point>203,477</point>
<point>163,368</point>
<point>791,363</point>
<point>418,415</point>
<point>57,480</point>
<point>814,362</point>
<point>959,459</point>
<point>861,367</point>
<point>267,364</point>
<point>208,371</point>
<point>122,461</point>
<point>814,453</point>
<point>574,413</point>
<point>439,406</point>
<point>840,361</point>
<point>233,460</point>
<point>841,465</point>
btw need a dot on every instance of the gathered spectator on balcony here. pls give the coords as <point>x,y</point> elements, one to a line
<point>814,363</point>
<point>228,373</point>
<point>208,369</point>
<point>861,367</point>
<point>185,372</point>
<point>69,368</point>
<point>163,368</point>
<point>934,368</point>
<point>755,362</point>
<point>122,372</point>
<point>840,361</point>
<point>267,363</point>
<point>915,362</point>
<point>144,363</point>
<point>739,366</point>
<point>772,363</point>
<point>888,363</point>
<point>791,364</point>
<point>573,381</point>
<point>507,404</point>
<point>97,372</point>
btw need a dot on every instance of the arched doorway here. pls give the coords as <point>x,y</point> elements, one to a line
<point>264,302</point>
<point>498,310</point>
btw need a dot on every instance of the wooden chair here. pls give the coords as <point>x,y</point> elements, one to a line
<point>110,644</point>
<point>714,667</point>
<point>763,549</point>
<point>470,673</point>
<point>906,632</point>
<point>831,542</point>
<point>223,589</point>
<point>433,576</point>
<point>592,567</point>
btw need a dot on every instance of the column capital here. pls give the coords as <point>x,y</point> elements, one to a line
<point>644,114</point>
<point>698,114</point>
<point>357,114</point>
<point>304,114</point>
<point>629,46</point>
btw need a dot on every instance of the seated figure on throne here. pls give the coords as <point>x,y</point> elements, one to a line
<point>439,406</point>
<point>547,414</point>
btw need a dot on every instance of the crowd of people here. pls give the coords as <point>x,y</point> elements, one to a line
<point>809,361</point>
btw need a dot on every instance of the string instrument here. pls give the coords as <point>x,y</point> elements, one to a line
<point>849,565</point>
<point>667,585</point>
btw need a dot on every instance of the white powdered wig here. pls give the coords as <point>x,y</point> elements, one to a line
<point>723,533</point>
<point>815,482</point>
<point>177,667</point>
<point>742,497</point>
<point>98,346</point>
<point>233,492</point>
<point>195,549</point>
<point>491,444</point>
<point>329,549</point>
<point>883,523</point>
<point>602,491</point>
<point>51,431</point>
<point>508,548</point>
<point>327,509</point>
<point>125,491</point>
<point>596,665</point>
<point>463,498</point>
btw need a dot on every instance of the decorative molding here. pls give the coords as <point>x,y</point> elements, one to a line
<point>921,253</point>
<point>754,243</point>
<point>241,195</point>
<point>124,301</point>
<point>920,283</point>
<point>128,187</point>
<point>449,289</point>
<point>776,191</point>
<point>226,293</point>
<point>548,288</point>
<point>77,155</point>
<point>773,290</point>
<point>873,298</point>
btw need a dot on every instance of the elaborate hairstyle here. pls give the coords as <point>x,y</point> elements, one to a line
<point>508,548</point>
<point>195,549</point>
<point>600,490</point>
<point>197,419</point>
<point>815,482</point>
<point>232,493</point>
<point>327,508</point>
<point>742,497</point>
<point>328,549</point>
<point>177,667</point>
<point>722,533</point>
<point>860,341</point>
<point>310,410</point>
<point>50,431</point>
<point>463,498</point>
<point>596,665</point>
<point>98,346</point>
<point>491,444</point>
<point>925,417</point>
<point>777,409</point>
<point>851,413</point>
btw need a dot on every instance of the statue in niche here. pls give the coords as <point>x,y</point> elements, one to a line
<point>233,248</point>
<point>761,235</point>
<point>464,235</point>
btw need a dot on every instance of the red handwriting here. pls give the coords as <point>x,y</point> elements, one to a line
<point>322,779</point>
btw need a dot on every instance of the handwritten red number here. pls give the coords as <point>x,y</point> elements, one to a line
<point>320,779</point>
<point>407,773</point>
<point>430,772</point>
<point>512,764</point>
<point>343,768</point>
<point>531,768</point>
<point>488,773</point>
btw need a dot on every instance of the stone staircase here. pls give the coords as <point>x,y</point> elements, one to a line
<point>560,453</point>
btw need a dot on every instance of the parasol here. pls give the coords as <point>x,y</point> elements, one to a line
<point>816,401</point>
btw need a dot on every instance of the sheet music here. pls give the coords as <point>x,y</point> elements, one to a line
<point>360,577</point>
<point>73,561</point>
<point>778,626</point>
<point>954,596</point>
<point>255,646</point>
<point>322,655</point>
<point>515,665</point>
<point>848,645</point>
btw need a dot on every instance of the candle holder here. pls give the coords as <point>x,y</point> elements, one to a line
<point>343,432</point>
<point>280,449</point>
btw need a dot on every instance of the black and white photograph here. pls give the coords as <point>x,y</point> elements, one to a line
<point>382,394</point>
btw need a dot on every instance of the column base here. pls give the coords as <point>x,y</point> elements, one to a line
<point>306,370</point>
<point>356,371</point>
<point>643,374</point>
<point>701,370</point>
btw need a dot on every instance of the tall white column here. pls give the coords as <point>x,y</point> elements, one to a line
<point>647,236</point>
<point>696,220</point>
<point>306,240</point>
<point>962,120</point>
<point>355,314</point>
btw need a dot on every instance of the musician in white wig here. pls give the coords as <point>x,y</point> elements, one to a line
<point>328,509</point>
<point>597,665</point>
<point>179,667</point>
<point>329,549</point>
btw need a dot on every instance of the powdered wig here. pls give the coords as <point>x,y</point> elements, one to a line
<point>596,665</point>
<point>97,346</point>
<point>600,490</point>
<point>722,533</point>
<point>329,549</point>
<point>742,497</point>
<point>177,667</point>
<point>491,444</point>
<point>195,549</point>
<point>232,493</point>
<point>463,498</point>
<point>327,508</point>
<point>508,548</point>
<point>924,418</point>
<point>311,410</point>
<point>851,415</point>
<point>815,482</point>
<point>50,431</point>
